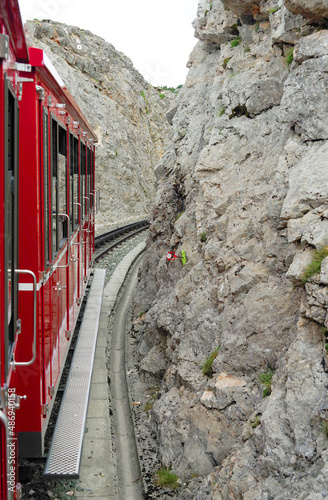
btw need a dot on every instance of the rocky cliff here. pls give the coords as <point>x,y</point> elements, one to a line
<point>243,190</point>
<point>127,114</point>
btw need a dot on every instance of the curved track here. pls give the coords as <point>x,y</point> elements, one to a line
<point>106,241</point>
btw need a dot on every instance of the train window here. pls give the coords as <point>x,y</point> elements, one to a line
<point>89,178</point>
<point>58,185</point>
<point>71,181</point>
<point>54,189</point>
<point>62,184</point>
<point>82,181</point>
<point>76,181</point>
<point>46,186</point>
<point>11,210</point>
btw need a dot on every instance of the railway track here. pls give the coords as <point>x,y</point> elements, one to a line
<point>107,241</point>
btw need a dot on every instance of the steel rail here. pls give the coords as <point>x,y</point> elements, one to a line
<point>110,235</point>
<point>101,253</point>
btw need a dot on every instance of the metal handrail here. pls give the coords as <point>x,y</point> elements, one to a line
<point>68,242</point>
<point>28,363</point>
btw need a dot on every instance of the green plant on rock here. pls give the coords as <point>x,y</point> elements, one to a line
<point>235,42</point>
<point>315,265</point>
<point>272,11</point>
<point>203,237</point>
<point>256,421</point>
<point>165,477</point>
<point>289,56</point>
<point>207,366</point>
<point>225,62</point>
<point>266,378</point>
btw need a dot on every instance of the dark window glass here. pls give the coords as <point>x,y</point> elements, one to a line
<point>54,187</point>
<point>10,212</point>
<point>46,187</point>
<point>71,181</point>
<point>76,180</point>
<point>82,180</point>
<point>62,185</point>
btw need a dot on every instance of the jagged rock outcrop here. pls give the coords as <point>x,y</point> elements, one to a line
<point>127,114</point>
<point>242,190</point>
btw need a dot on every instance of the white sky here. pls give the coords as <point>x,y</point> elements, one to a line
<point>157,36</point>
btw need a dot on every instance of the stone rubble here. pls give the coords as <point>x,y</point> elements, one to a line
<point>126,112</point>
<point>242,190</point>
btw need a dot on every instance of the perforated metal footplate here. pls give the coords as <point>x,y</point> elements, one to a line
<point>65,452</point>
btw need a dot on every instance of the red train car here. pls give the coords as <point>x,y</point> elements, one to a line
<point>47,210</point>
<point>56,231</point>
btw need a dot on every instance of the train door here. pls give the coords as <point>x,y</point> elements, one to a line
<point>60,232</point>
<point>9,281</point>
<point>84,224</point>
<point>45,257</point>
<point>74,221</point>
<point>54,278</point>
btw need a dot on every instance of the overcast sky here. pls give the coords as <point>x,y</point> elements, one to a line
<point>157,36</point>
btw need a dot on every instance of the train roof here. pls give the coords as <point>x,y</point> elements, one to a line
<point>48,74</point>
<point>11,17</point>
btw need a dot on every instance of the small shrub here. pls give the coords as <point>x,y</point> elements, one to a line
<point>326,347</point>
<point>165,477</point>
<point>247,49</point>
<point>161,96</point>
<point>266,378</point>
<point>235,42</point>
<point>207,366</point>
<point>272,11</point>
<point>315,265</point>
<point>221,111</point>
<point>289,56</point>
<point>203,237</point>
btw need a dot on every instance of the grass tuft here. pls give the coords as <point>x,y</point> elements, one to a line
<point>315,265</point>
<point>235,42</point>
<point>207,366</point>
<point>165,477</point>
<point>290,56</point>
<point>266,378</point>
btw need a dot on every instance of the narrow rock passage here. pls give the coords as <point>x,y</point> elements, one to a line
<point>128,467</point>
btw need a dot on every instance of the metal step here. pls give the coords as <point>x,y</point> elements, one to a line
<point>65,452</point>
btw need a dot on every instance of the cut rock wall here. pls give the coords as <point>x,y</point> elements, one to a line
<point>127,114</point>
<point>242,189</point>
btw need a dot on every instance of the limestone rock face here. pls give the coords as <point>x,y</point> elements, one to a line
<point>126,112</point>
<point>242,191</point>
<point>313,9</point>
